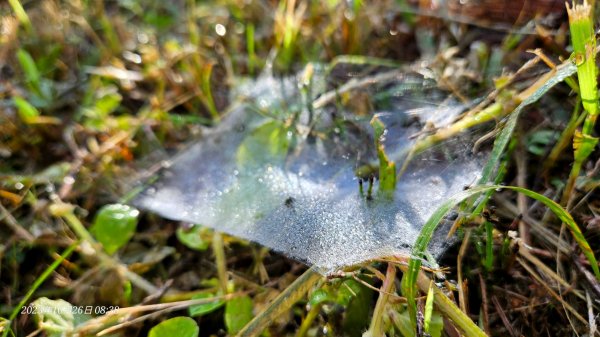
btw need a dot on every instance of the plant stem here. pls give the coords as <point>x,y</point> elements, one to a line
<point>219,251</point>
<point>489,246</point>
<point>584,56</point>
<point>449,309</point>
<point>38,282</point>
<point>281,303</point>
<point>307,321</point>
<point>376,329</point>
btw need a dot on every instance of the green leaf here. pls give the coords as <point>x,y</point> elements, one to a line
<point>32,75</point>
<point>27,112</point>
<point>428,309</point>
<point>267,142</point>
<point>319,296</point>
<point>356,318</point>
<point>348,290</point>
<point>538,142</point>
<point>197,237</point>
<point>114,226</point>
<point>55,317</point>
<point>436,325</point>
<point>503,138</point>
<point>238,312</point>
<point>584,145</point>
<point>203,309</point>
<point>177,326</point>
<point>387,168</point>
<point>108,103</point>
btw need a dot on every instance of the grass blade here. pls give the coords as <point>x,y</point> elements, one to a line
<point>38,282</point>
<point>551,79</point>
<point>283,302</point>
<point>409,285</point>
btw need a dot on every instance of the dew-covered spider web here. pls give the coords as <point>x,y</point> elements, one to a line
<point>283,167</point>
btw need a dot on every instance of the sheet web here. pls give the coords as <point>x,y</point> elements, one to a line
<point>283,175</point>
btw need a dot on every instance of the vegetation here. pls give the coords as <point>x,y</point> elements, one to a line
<point>94,94</point>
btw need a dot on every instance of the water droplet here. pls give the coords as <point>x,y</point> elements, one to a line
<point>220,29</point>
<point>19,186</point>
<point>142,38</point>
<point>132,57</point>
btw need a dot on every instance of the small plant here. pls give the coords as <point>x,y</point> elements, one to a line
<point>584,56</point>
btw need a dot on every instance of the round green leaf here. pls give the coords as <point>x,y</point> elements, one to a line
<point>197,238</point>
<point>238,312</point>
<point>114,226</point>
<point>177,326</point>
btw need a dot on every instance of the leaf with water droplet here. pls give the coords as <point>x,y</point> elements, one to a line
<point>114,226</point>
<point>197,237</point>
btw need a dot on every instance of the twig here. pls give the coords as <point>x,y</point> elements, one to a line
<point>462,291</point>
<point>521,160</point>
<point>376,328</point>
<point>503,317</point>
<point>552,293</point>
<point>591,316</point>
<point>484,306</point>
<point>14,225</point>
<point>283,302</point>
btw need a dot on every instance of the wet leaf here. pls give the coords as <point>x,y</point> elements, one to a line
<point>114,225</point>
<point>177,326</point>
<point>197,237</point>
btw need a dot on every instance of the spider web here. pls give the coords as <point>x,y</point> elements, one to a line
<point>295,188</point>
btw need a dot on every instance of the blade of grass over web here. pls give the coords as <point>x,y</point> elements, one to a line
<point>548,81</point>
<point>409,283</point>
<point>362,60</point>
